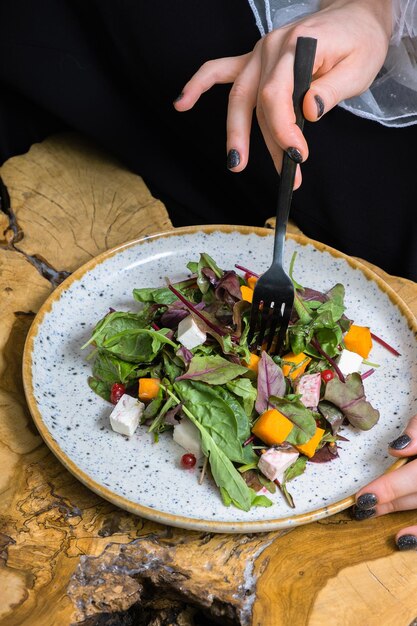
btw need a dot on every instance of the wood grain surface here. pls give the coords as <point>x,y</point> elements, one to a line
<point>69,557</point>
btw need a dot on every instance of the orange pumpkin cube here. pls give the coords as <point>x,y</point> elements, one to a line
<point>309,447</point>
<point>272,427</point>
<point>247,293</point>
<point>148,388</point>
<point>358,339</point>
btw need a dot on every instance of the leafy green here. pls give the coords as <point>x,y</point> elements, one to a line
<point>173,365</point>
<point>153,408</point>
<point>116,322</point>
<point>111,369</point>
<point>158,423</point>
<point>163,295</point>
<point>350,398</point>
<point>268,484</point>
<point>296,469</point>
<point>271,382</point>
<point>244,389</point>
<point>319,320</point>
<point>242,421</point>
<point>140,345</point>
<point>160,295</point>
<point>127,336</point>
<point>297,286</point>
<point>99,387</point>
<point>212,369</point>
<point>332,414</point>
<point>205,261</point>
<point>220,413</point>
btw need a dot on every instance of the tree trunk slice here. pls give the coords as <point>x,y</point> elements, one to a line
<point>73,202</point>
<point>69,557</point>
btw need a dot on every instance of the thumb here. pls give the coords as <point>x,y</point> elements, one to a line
<point>406,443</point>
<point>339,83</point>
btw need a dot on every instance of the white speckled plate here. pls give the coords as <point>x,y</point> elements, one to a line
<point>145,478</point>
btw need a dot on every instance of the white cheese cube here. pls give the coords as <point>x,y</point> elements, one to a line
<point>189,333</point>
<point>124,418</point>
<point>349,362</point>
<point>188,437</point>
<point>273,463</point>
<point>309,386</point>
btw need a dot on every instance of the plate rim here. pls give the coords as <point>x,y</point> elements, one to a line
<point>148,512</point>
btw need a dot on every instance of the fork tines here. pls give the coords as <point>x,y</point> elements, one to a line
<point>272,319</point>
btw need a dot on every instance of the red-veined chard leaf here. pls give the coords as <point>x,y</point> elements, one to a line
<point>271,382</point>
<point>350,398</point>
<point>212,369</point>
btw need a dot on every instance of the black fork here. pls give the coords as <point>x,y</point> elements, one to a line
<point>273,296</point>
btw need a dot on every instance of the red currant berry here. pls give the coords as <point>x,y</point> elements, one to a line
<point>188,460</point>
<point>327,375</point>
<point>117,390</point>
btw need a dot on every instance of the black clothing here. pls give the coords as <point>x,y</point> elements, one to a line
<point>111,71</point>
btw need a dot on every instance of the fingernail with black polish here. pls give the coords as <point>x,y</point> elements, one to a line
<point>407,542</point>
<point>362,514</point>
<point>400,443</point>
<point>295,155</point>
<point>320,106</point>
<point>233,159</point>
<point>366,501</point>
<point>178,98</point>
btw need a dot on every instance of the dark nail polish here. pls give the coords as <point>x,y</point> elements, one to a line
<point>320,106</point>
<point>295,155</point>
<point>407,542</point>
<point>400,443</point>
<point>362,514</point>
<point>233,159</point>
<point>366,501</point>
<point>178,98</point>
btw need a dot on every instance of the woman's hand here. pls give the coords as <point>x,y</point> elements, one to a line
<point>395,491</point>
<point>353,38</point>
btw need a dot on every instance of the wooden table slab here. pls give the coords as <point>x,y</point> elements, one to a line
<point>69,557</point>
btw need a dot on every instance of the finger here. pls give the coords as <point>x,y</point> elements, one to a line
<point>339,83</point>
<point>406,539</point>
<point>406,503</point>
<point>217,71</point>
<point>406,443</point>
<point>276,151</point>
<point>242,100</point>
<point>393,486</point>
<point>275,100</point>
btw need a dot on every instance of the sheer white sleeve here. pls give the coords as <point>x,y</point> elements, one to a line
<point>392,98</point>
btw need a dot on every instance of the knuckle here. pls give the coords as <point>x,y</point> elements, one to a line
<point>238,92</point>
<point>298,30</point>
<point>208,66</point>
<point>210,70</point>
<point>389,507</point>
<point>267,94</point>
<point>389,494</point>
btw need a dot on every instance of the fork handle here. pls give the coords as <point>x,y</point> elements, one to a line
<point>305,52</point>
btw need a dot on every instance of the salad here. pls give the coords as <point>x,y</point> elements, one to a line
<point>181,366</point>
